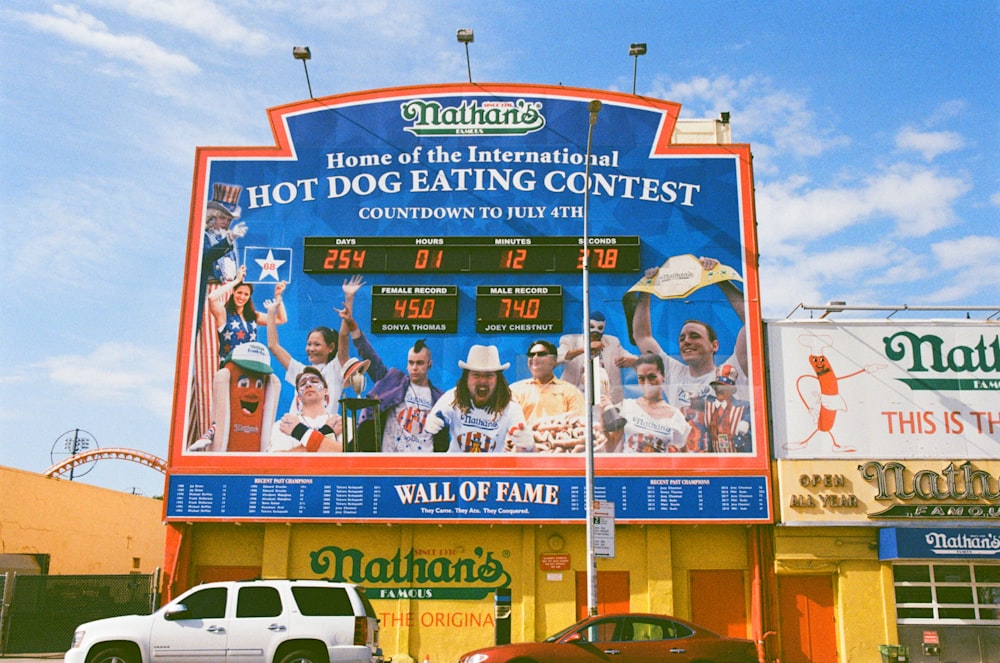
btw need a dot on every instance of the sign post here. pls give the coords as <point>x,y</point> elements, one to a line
<point>604,529</point>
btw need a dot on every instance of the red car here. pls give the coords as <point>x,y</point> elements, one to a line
<point>626,638</point>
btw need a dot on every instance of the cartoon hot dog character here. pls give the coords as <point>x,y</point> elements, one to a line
<point>245,396</point>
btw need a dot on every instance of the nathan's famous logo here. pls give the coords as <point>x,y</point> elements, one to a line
<point>929,353</point>
<point>950,542</point>
<point>350,565</point>
<point>472,118</point>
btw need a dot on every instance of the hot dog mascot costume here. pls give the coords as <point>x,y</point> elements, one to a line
<point>245,397</point>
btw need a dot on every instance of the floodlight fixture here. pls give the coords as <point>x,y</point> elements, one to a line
<point>303,53</point>
<point>466,36</point>
<point>635,50</point>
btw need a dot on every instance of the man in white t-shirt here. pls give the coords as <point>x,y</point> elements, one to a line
<point>689,380</point>
<point>479,412</point>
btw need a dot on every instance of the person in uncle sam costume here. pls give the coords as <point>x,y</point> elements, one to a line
<point>726,418</point>
<point>245,397</point>
<point>219,258</point>
<point>219,266</point>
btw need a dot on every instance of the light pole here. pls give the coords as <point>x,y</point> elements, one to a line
<point>303,53</point>
<point>635,50</point>
<point>467,36</point>
<point>588,371</point>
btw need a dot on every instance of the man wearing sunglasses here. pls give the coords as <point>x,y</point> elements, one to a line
<point>543,395</point>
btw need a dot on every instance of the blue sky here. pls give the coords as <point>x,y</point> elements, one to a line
<point>872,126</point>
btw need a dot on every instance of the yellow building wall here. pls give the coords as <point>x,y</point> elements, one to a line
<point>657,559</point>
<point>864,601</point>
<point>83,529</point>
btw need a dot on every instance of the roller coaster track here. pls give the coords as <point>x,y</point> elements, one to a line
<point>131,455</point>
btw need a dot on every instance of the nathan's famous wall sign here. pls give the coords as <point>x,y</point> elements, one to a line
<point>886,491</point>
<point>415,575</point>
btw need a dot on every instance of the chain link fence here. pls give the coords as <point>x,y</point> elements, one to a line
<point>40,612</point>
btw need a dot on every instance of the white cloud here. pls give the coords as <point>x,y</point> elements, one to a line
<point>916,201</point>
<point>812,277</point>
<point>946,111</point>
<point>202,18</point>
<point>975,252</point>
<point>91,228</point>
<point>83,29</point>
<point>124,373</point>
<point>929,143</point>
<point>776,121</point>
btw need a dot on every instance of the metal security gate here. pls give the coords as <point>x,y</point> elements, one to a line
<point>42,611</point>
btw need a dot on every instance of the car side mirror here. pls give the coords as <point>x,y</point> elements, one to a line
<point>175,612</point>
<point>574,637</point>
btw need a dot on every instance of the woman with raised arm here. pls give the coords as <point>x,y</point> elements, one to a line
<point>236,319</point>
<point>325,349</point>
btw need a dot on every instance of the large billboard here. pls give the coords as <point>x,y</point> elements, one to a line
<point>885,389</point>
<point>439,233</point>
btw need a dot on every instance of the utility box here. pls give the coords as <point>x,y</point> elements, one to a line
<point>894,653</point>
<point>501,613</point>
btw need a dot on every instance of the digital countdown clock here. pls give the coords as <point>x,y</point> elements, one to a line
<point>414,309</point>
<point>452,255</point>
<point>519,309</point>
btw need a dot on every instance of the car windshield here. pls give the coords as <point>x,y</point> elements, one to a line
<point>568,629</point>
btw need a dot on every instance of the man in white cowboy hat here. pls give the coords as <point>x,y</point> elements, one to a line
<point>479,413</point>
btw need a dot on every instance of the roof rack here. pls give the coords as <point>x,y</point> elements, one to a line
<point>838,307</point>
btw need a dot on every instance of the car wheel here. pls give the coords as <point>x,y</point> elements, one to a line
<point>113,655</point>
<point>302,656</point>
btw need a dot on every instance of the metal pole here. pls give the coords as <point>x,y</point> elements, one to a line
<point>308,84</point>
<point>468,62</point>
<point>635,68</point>
<point>588,371</point>
<point>76,442</point>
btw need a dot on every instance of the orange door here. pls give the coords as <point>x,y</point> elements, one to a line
<point>808,632</point>
<point>612,593</point>
<point>718,601</point>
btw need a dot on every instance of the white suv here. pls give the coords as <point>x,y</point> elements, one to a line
<point>258,621</point>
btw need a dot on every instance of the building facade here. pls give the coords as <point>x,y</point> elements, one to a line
<point>887,443</point>
<point>465,210</point>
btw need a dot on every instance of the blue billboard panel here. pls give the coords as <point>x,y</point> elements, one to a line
<point>402,281</point>
<point>464,498</point>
